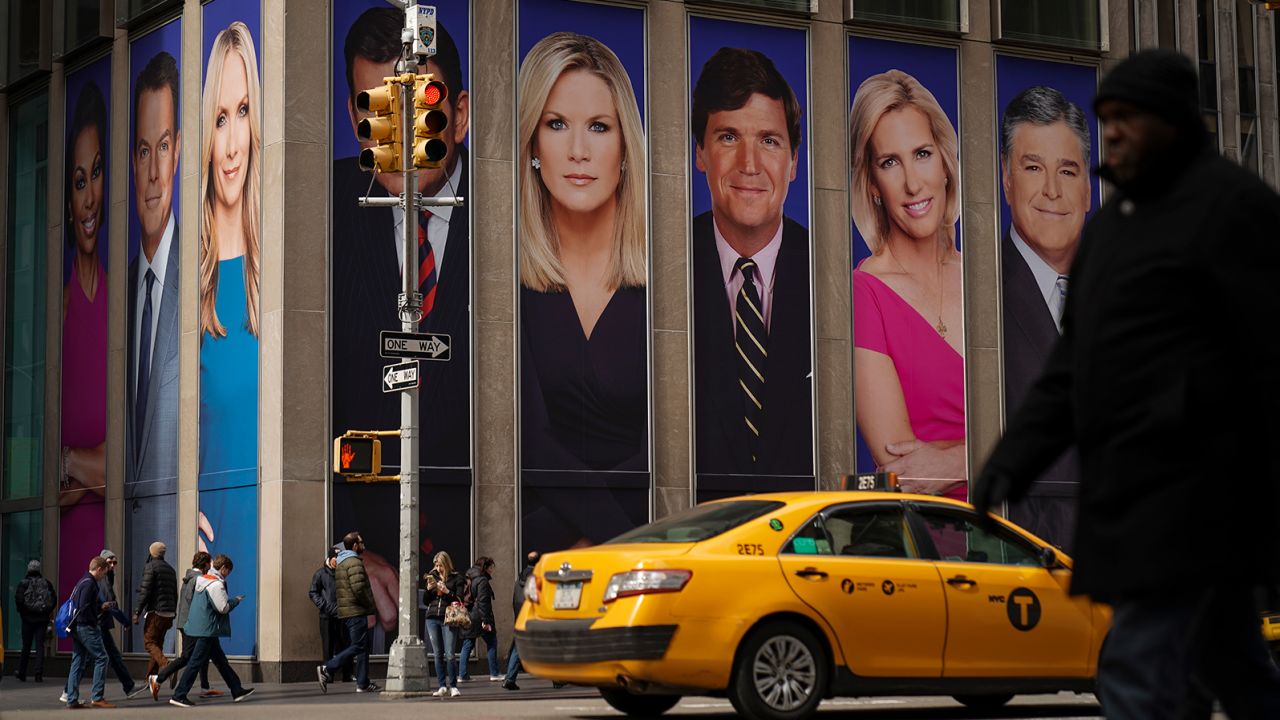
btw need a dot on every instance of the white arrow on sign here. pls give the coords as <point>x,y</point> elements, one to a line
<point>401,376</point>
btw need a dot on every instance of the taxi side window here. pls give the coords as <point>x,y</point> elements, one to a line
<point>958,538</point>
<point>870,532</point>
<point>810,539</point>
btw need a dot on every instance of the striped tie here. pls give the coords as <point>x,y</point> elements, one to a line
<point>751,339</point>
<point>426,266</point>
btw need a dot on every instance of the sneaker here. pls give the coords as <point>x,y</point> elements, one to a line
<point>153,682</point>
<point>137,690</point>
<point>496,678</point>
<point>323,675</point>
<point>63,697</point>
<point>442,692</point>
<point>211,693</point>
<point>244,694</point>
<point>181,702</point>
<point>510,685</point>
<point>101,704</point>
<point>466,678</point>
<point>77,706</point>
<point>371,687</point>
<point>454,692</point>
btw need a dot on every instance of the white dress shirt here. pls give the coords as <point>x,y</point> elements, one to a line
<point>437,226</point>
<point>1046,277</point>
<point>158,266</point>
<point>766,263</point>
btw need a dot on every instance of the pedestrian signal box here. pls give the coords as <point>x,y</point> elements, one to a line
<point>357,455</point>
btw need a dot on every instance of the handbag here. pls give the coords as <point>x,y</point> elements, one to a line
<point>456,615</point>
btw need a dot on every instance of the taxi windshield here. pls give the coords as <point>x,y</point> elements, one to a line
<point>698,523</point>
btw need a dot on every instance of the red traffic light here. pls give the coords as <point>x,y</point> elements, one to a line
<point>432,93</point>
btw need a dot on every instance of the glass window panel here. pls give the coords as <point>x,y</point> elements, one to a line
<point>24,322</point>
<point>84,22</point>
<point>802,6</point>
<point>1071,23</point>
<point>934,14</point>
<point>1207,59</point>
<point>20,544</point>
<point>957,536</point>
<point>135,8</point>
<point>26,54</point>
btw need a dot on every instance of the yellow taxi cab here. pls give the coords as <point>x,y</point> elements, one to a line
<point>781,600</point>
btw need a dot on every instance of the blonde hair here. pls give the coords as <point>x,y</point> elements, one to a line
<point>446,562</point>
<point>877,96</point>
<point>551,57</point>
<point>235,38</point>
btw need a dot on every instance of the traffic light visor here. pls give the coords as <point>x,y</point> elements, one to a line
<point>375,100</point>
<point>377,129</point>
<point>429,153</point>
<point>430,122</point>
<point>384,158</point>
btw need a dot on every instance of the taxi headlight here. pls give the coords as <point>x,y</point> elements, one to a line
<point>641,582</point>
<point>531,588</point>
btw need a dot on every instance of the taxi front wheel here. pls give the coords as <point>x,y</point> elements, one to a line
<point>780,673</point>
<point>639,706</point>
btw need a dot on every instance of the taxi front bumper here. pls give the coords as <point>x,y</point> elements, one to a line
<point>574,642</point>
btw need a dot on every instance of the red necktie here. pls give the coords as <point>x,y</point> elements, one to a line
<point>426,266</point>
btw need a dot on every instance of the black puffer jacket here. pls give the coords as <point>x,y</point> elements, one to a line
<point>158,591</point>
<point>324,592</point>
<point>481,602</point>
<point>455,585</point>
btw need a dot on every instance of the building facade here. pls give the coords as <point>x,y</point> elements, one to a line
<point>192,298</point>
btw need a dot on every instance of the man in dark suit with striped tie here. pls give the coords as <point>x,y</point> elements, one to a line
<point>752,359</point>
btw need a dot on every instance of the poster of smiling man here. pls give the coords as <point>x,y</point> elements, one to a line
<point>752,320</point>
<point>583,238</point>
<point>1048,143</point>
<point>908,294</point>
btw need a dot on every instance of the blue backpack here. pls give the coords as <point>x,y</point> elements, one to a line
<point>67,613</point>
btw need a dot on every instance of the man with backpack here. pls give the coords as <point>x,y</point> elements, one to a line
<point>82,620</point>
<point>36,600</point>
<point>157,601</point>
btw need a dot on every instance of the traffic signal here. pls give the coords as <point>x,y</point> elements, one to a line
<point>383,128</point>
<point>357,455</point>
<point>429,122</point>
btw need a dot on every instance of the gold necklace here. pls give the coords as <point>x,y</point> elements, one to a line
<point>941,327</point>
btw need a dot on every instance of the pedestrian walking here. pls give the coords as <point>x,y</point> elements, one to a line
<point>355,605</point>
<point>86,639</point>
<point>443,586</point>
<point>156,604</point>
<point>324,595</point>
<point>107,621</point>
<point>517,602</point>
<point>483,625</point>
<point>208,620</point>
<point>36,600</point>
<point>1163,373</point>
<point>200,564</point>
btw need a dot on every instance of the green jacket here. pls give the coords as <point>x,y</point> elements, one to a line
<point>355,594</point>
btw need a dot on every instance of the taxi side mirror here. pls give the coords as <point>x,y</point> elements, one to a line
<point>1048,558</point>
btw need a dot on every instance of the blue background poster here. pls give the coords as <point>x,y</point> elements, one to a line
<point>365,254</point>
<point>231,171</point>
<point>936,68</point>
<point>584,468</point>
<point>733,456</point>
<point>151,446</point>
<point>86,278</point>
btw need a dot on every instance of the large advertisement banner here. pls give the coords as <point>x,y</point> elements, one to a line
<point>908,294</point>
<point>1048,143</point>
<point>231,252</point>
<point>583,233</point>
<point>366,257</point>
<point>752,277</point>
<point>84,321</point>
<point>152,300</point>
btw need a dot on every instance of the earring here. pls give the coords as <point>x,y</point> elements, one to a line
<point>536,163</point>
<point>876,199</point>
<point>624,166</point>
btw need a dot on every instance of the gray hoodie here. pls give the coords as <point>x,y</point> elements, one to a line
<point>185,597</point>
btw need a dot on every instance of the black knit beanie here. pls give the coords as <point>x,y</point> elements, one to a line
<point>1162,82</point>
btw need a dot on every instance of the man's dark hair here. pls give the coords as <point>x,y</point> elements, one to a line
<point>484,562</point>
<point>333,553</point>
<point>350,539</point>
<point>223,563</point>
<point>375,36</point>
<point>201,560</point>
<point>1042,105</point>
<point>728,81</point>
<point>160,73</point>
<point>91,112</point>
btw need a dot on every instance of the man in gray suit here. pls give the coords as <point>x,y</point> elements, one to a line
<point>1044,153</point>
<point>151,435</point>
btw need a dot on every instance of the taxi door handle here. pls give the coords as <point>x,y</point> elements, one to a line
<point>961,580</point>
<point>811,573</point>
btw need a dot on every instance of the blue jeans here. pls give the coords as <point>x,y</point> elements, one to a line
<point>442,637</point>
<point>358,635</point>
<point>490,642</point>
<point>513,664</point>
<point>207,649</point>
<point>86,646</point>
<point>116,660</point>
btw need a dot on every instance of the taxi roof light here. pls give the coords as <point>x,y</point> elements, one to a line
<point>644,582</point>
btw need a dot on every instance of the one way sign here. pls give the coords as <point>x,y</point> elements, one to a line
<point>424,346</point>
<point>401,376</point>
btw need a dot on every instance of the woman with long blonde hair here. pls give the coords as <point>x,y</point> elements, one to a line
<point>908,300</point>
<point>583,259</point>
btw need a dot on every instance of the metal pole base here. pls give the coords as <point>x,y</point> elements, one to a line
<point>408,674</point>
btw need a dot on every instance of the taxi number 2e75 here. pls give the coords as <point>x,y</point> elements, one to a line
<point>750,549</point>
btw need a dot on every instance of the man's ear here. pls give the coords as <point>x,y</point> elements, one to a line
<point>697,158</point>
<point>795,164</point>
<point>461,117</point>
